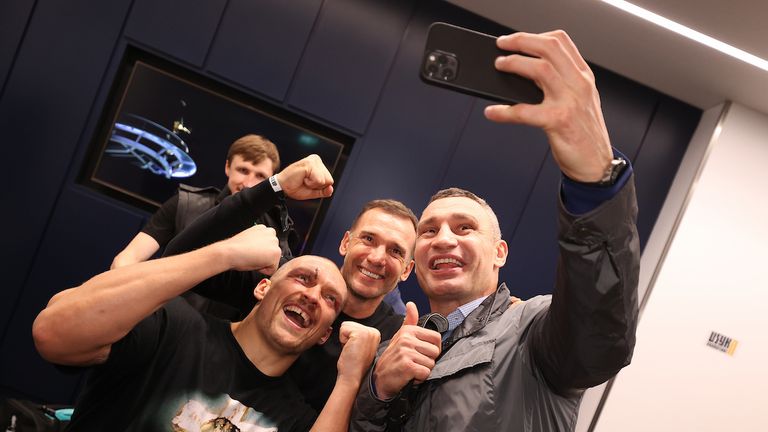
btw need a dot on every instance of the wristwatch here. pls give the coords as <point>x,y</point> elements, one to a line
<point>613,172</point>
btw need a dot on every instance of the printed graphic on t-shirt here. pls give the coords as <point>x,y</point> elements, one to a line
<point>202,414</point>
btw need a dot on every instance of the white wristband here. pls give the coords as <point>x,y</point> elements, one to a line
<point>275,184</point>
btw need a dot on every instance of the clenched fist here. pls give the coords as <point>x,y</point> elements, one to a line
<point>255,248</point>
<point>359,348</point>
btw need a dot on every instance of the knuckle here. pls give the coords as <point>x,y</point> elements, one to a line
<point>587,83</point>
<point>422,374</point>
<point>551,40</point>
<point>545,70</point>
<point>560,34</point>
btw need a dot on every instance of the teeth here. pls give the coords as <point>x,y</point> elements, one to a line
<point>301,313</point>
<point>370,274</point>
<point>446,261</point>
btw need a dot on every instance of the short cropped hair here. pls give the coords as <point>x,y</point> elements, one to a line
<point>254,148</point>
<point>389,206</point>
<point>455,192</point>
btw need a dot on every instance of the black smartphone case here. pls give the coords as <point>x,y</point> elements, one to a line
<point>463,60</point>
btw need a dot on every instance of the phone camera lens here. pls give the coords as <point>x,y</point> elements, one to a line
<point>447,74</point>
<point>441,60</point>
<point>431,69</point>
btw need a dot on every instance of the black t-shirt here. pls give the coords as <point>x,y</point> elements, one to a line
<point>315,369</point>
<point>162,225</point>
<point>181,370</point>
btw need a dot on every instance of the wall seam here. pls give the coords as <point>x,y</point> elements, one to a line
<point>18,49</point>
<point>67,181</point>
<point>299,64</point>
<point>204,65</point>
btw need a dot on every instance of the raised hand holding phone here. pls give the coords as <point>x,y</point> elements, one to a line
<point>462,60</point>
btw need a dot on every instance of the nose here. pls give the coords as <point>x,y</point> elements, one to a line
<point>311,296</point>
<point>445,238</point>
<point>378,255</point>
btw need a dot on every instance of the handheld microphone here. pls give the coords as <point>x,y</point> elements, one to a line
<point>434,321</point>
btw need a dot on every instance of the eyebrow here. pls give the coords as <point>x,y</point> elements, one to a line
<point>396,243</point>
<point>451,216</point>
<point>305,271</point>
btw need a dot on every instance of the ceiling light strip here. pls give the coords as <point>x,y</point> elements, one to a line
<point>689,33</point>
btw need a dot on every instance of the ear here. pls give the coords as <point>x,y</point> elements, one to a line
<point>502,250</point>
<point>261,289</point>
<point>407,271</point>
<point>325,336</point>
<point>226,167</point>
<point>344,245</point>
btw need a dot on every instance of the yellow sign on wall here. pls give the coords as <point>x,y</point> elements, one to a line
<point>722,343</point>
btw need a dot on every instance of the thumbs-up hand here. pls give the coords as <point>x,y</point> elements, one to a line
<point>410,356</point>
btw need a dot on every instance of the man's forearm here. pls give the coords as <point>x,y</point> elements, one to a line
<point>234,214</point>
<point>141,248</point>
<point>336,412</point>
<point>78,325</point>
<point>588,333</point>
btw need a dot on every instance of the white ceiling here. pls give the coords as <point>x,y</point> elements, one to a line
<point>649,54</point>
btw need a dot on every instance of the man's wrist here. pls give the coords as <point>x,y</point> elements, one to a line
<point>612,172</point>
<point>581,197</point>
<point>374,391</point>
<point>348,380</point>
<point>220,255</point>
<point>275,183</point>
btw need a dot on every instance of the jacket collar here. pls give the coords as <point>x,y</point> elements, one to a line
<point>489,309</point>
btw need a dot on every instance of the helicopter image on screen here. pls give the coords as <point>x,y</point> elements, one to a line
<point>153,147</point>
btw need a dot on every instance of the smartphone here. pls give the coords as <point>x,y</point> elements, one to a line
<point>461,59</point>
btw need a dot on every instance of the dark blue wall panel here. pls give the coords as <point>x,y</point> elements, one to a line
<point>74,250</point>
<point>530,267</point>
<point>260,43</point>
<point>627,108</point>
<point>504,180</point>
<point>180,28</point>
<point>14,15</point>
<point>348,58</point>
<point>42,113</point>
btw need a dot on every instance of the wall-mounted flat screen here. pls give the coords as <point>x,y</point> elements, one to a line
<point>164,124</point>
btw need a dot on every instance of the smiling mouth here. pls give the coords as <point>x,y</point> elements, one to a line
<point>297,316</point>
<point>371,274</point>
<point>445,263</point>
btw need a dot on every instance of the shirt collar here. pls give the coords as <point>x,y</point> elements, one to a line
<point>458,316</point>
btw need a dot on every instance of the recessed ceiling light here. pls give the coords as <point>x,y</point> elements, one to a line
<point>689,33</point>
